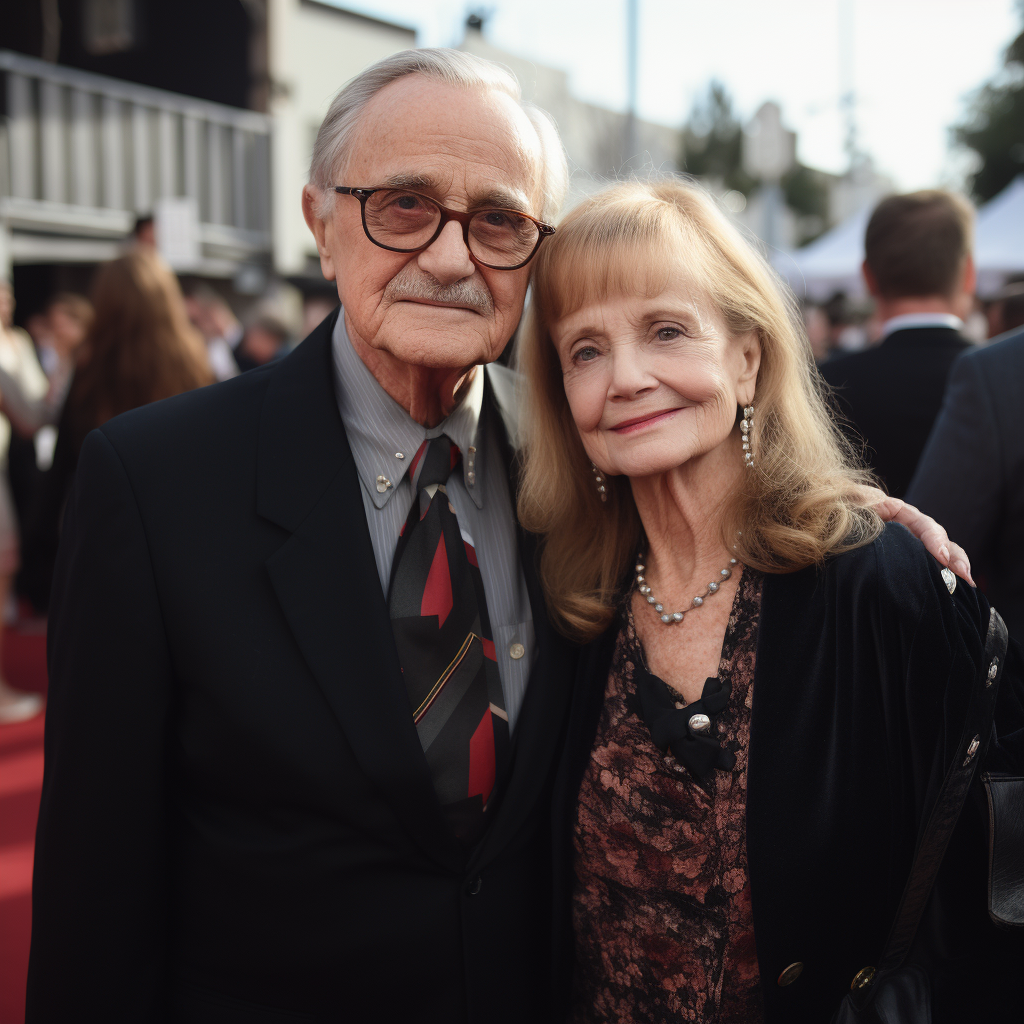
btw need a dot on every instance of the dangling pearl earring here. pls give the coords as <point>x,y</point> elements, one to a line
<point>599,480</point>
<point>746,425</point>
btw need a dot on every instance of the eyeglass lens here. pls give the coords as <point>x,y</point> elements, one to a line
<point>406,220</point>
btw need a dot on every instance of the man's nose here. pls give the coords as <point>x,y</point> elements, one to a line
<point>447,258</point>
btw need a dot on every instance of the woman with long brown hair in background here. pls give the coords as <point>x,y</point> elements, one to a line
<point>139,349</point>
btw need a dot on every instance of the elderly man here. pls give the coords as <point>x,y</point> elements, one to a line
<point>305,702</point>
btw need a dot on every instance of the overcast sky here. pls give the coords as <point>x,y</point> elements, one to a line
<point>913,63</point>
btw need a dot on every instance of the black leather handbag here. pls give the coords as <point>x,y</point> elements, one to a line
<point>898,993</point>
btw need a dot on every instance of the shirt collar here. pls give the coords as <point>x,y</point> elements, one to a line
<point>911,320</point>
<point>384,437</point>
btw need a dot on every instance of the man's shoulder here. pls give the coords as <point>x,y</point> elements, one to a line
<point>1005,353</point>
<point>851,366</point>
<point>206,413</point>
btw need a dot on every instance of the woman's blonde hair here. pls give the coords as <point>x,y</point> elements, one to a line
<point>804,498</point>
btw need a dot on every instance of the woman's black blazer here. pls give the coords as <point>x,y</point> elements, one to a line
<point>863,672</point>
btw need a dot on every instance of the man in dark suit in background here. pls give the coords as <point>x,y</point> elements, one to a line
<point>919,270</point>
<point>971,474</point>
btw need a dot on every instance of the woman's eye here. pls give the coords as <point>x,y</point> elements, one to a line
<point>585,354</point>
<point>669,333</point>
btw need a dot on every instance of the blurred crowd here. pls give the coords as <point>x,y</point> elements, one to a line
<point>138,336</point>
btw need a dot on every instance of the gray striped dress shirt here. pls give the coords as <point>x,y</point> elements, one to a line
<point>384,438</point>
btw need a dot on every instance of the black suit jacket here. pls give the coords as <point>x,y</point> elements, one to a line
<point>890,395</point>
<point>971,475</point>
<point>237,822</point>
<point>861,681</point>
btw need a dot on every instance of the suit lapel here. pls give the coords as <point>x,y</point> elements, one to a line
<point>325,578</point>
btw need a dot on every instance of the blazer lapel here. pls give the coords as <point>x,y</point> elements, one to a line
<point>325,578</point>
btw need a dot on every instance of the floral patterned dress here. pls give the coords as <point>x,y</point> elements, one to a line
<point>661,904</point>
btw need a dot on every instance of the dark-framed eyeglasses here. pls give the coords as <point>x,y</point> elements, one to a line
<point>403,221</point>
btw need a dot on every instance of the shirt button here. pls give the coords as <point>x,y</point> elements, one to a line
<point>516,651</point>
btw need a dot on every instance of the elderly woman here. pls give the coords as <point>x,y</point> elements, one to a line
<point>775,682</point>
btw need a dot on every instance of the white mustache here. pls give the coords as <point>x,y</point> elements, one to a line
<point>408,284</point>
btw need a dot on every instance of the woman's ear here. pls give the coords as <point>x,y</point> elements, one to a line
<point>750,352</point>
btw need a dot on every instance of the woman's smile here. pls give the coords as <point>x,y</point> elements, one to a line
<point>639,423</point>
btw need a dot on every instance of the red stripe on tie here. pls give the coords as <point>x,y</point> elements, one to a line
<point>455,456</point>
<point>471,554</point>
<point>481,759</point>
<point>437,595</point>
<point>488,649</point>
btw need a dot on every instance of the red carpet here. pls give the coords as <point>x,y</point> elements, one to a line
<point>21,775</point>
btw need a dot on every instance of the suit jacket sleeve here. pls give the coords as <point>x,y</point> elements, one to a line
<point>959,480</point>
<point>100,891</point>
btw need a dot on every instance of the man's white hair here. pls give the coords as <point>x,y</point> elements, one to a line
<point>453,67</point>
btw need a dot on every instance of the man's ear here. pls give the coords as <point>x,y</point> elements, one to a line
<point>969,279</point>
<point>319,229</point>
<point>869,279</point>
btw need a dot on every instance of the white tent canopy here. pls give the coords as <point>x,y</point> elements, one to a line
<point>999,237</point>
<point>832,263</point>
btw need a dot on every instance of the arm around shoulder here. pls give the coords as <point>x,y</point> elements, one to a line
<point>100,899</point>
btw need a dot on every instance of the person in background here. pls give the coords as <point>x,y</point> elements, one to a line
<point>139,348</point>
<point>971,472</point>
<point>816,323</point>
<point>68,318</point>
<point>18,363</point>
<point>266,339</point>
<point>315,310</point>
<point>219,326</point>
<point>1005,312</point>
<point>144,232</point>
<point>919,270</point>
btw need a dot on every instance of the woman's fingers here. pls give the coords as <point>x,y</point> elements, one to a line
<point>930,533</point>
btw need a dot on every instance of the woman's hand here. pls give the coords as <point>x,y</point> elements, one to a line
<point>925,529</point>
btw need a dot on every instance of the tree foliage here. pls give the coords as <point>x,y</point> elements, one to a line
<point>713,141</point>
<point>713,148</point>
<point>995,126</point>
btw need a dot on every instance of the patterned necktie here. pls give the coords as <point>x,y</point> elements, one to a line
<point>446,648</point>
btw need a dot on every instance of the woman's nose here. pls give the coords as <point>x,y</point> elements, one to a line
<point>630,376</point>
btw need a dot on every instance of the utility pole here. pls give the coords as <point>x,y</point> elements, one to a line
<point>847,77</point>
<point>631,142</point>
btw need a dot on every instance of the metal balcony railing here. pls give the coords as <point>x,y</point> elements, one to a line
<point>83,154</point>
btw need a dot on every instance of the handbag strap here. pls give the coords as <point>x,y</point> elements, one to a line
<point>950,801</point>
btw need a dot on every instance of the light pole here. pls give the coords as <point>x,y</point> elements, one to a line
<point>632,46</point>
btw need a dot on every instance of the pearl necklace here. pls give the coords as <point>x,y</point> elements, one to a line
<point>671,618</point>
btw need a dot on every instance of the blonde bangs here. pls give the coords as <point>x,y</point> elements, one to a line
<point>635,254</point>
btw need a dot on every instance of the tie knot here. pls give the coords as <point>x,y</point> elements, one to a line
<point>434,461</point>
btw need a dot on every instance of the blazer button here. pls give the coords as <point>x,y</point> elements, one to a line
<point>791,973</point>
<point>475,886</point>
